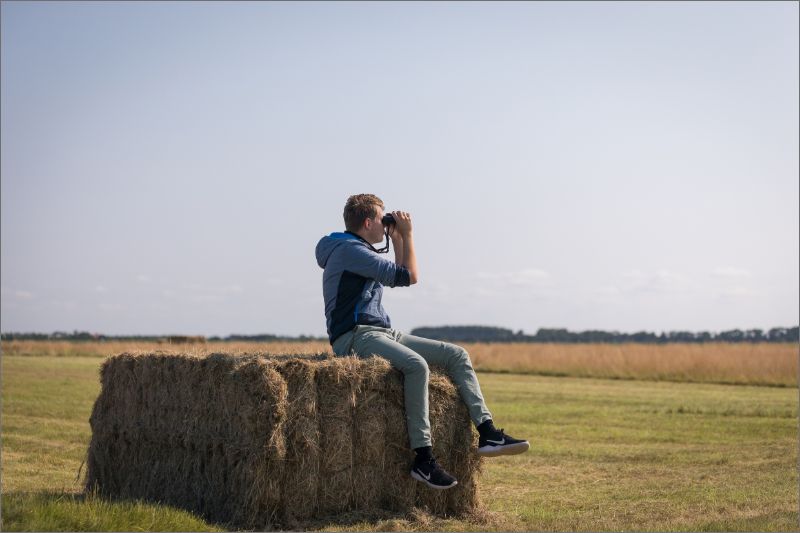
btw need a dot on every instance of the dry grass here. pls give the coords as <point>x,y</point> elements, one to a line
<point>109,348</point>
<point>748,364</point>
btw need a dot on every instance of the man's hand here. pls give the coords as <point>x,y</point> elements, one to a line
<point>402,223</point>
<point>404,244</point>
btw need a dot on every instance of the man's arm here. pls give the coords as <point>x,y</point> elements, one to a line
<point>397,241</point>
<point>410,257</point>
<point>403,230</point>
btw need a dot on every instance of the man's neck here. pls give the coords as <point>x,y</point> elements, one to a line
<point>357,235</point>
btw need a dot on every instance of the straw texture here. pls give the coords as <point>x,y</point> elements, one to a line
<point>268,441</point>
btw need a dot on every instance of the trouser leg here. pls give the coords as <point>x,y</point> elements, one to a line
<point>411,355</point>
<point>456,362</point>
<point>369,340</point>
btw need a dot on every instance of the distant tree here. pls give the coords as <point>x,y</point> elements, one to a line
<point>704,336</point>
<point>734,335</point>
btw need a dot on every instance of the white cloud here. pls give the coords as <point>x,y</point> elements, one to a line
<point>141,278</point>
<point>736,292</point>
<point>100,288</point>
<point>201,293</point>
<point>64,304</point>
<point>731,283</point>
<point>16,294</point>
<point>730,272</point>
<point>483,292</point>
<point>526,277</point>
<point>607,290</point>
<point>662,280</point>
<point>525,283</point>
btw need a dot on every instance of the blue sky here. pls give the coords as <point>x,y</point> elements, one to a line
<point>170,167</point>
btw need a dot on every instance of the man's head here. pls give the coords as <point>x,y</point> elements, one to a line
<point>362,216</point>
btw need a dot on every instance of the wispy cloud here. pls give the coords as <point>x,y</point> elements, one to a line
<point>729,272</point>
<point>16,294</point>
<point>737,291</point>
<point>731,283</point>
<point>607,290</point>
<point>524,283</point>
<point>524,277</point>
<point>662,280</point>
<point>64,304</point>
<point>212,293</point>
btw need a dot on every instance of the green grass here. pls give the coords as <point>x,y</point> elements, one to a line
<point>605,455</point>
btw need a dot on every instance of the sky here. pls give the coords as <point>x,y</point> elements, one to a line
<point>625,166</point>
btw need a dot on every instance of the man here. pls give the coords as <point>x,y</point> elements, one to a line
<point>352,284</point>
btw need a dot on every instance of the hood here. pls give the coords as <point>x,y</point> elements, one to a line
<point>328,244</point>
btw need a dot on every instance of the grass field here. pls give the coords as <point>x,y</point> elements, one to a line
<point>729,363</point>
<point>606,455</point>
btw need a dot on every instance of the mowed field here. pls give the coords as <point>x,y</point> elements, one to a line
<point>637,453</point>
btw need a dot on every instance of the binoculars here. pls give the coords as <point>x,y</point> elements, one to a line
<point>387,219</point>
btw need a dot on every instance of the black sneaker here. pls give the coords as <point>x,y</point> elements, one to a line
<point>432,474</point>
<point>494,443</point>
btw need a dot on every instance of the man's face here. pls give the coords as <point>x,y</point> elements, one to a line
<point>373,228</point>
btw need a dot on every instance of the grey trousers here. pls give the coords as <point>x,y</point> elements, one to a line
<point>411,355</point>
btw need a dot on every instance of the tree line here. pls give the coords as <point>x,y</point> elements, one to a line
<point>495,334</point>
<point>469,334</point>
<point>87,336</point>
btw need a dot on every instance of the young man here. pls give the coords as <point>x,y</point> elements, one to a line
<point>352,283</point>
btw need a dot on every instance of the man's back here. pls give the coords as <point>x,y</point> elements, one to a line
<point>352,282</point>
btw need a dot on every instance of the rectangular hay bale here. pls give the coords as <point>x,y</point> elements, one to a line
<point>265,441</point>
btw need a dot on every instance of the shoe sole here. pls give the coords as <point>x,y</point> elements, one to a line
<point>431,485</point>
<point>510,449</point>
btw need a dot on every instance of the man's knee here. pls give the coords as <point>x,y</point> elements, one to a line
<point>415,364</point>
<point>460,356</point>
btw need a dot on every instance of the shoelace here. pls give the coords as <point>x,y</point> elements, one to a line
<point>431,463</point>
<point>500,434</point>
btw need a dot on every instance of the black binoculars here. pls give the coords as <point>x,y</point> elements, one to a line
<point>387,219</point>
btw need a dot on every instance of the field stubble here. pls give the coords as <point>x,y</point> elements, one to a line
<point>773,364</point>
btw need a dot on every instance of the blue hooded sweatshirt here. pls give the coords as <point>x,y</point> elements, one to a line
<point>352,282</point>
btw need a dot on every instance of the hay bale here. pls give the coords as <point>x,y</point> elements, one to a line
<point>263,441</point>
<point>302,469</point>
<point>399,492</point>
<point>336,387</point>
<point>369,433</point>
<point>442,399</point>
